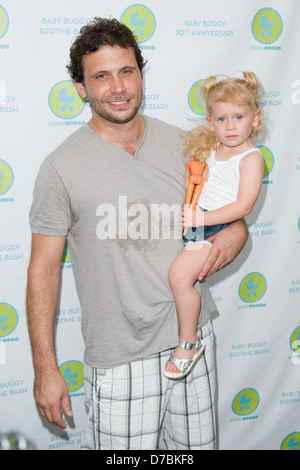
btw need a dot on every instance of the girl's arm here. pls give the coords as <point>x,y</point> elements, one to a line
<point>251,175</point>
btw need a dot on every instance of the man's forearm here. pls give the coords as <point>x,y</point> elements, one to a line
<point>226,245</point>
<point>42,299</point>
<point>50,389</point>
<point>238,231</point>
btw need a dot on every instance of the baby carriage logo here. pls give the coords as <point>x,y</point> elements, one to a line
<point>295,339</point>
<point>140,20</point>
<point>245,402</point>
<point>268,159</point>
<point>267,26</point>
<point>8,319</point>
<point>73,373</point>
<point>195,99</point>
<point>6,177</point>
<point>64,101</point>
<point>66,254</point>
<point>291,442</point>
<point>4,22</point>
<point>253,287</point>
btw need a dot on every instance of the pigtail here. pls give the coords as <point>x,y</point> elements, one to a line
<point>207,85</point>
<point>199,143</point>
<point>252,81</point>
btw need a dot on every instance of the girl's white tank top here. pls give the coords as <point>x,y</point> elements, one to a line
<point>222,185</point>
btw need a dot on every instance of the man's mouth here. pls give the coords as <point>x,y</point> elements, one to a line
<point>118,102</point>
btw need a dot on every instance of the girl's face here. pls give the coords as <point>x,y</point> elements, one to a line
<point>233,123</point>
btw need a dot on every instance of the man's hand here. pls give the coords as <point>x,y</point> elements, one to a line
<point>52,398</point>
<point>226,245</point>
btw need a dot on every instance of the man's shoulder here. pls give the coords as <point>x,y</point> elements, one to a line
<point>74,144</point>
<point>164,126</point>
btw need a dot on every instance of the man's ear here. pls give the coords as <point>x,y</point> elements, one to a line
<point>81,89</point>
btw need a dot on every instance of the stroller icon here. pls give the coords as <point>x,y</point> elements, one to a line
<point>134,21</point>
<point>70,377</point>
<point>199,97</point>
<point>245,402</point>
<point>266,26</point>
<point>251,288</point>
<point>66,99</point>
<point>3,320</point>
<point>293,445</point>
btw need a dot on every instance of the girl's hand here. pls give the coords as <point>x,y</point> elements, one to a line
<point>191,217</point>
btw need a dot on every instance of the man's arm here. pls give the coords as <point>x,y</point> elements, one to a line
<point>226,245</point>
<point>44,272</point>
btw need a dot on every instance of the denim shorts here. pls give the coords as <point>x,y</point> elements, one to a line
<point>198,234</point>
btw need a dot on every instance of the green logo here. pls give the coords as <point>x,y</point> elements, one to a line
<point>295,340</point>
<point>291,442</point>
<point>245,402</point>
<point>73,373</point>
<point>267,26</point>
<point>6,177</point>
<point>8,319</point>
<point>66,254</point>
<point>3,21</point>
<point>268,159</point>
<point>253,287</point>
<point>194,99</point>
<point>140,20</point>
<point>64,101</point>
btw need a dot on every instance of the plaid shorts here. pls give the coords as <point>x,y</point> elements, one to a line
<point>134,407</point>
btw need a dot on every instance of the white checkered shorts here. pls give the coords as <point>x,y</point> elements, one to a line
<point>134,407</point>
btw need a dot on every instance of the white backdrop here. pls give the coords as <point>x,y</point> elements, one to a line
<point>258,325</point>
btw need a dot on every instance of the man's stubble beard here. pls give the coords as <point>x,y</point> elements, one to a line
<point>99,109</point>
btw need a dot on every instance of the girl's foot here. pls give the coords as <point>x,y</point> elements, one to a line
<point>179,353</point>
<point>178,368</point>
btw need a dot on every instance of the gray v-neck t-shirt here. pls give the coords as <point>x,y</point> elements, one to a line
<point>121,215</point>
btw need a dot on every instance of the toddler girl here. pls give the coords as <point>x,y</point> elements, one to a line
<point>233,170</point>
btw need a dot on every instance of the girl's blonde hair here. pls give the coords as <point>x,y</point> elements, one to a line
<point>241,91</point>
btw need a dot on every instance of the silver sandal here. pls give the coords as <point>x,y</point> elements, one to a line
<point>185,365</point>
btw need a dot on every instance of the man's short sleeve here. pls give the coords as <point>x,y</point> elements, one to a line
<point>50,212</point>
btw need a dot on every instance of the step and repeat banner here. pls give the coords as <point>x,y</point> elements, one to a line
<point>257,327</point>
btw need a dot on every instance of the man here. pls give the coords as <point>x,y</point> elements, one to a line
<point>100,189</point>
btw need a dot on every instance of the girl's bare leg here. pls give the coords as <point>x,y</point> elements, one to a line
<point>182,277</point>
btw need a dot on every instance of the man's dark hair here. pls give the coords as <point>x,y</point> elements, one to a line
<point>101,32</point>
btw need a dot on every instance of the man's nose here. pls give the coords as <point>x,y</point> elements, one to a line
<point>117,85</point>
